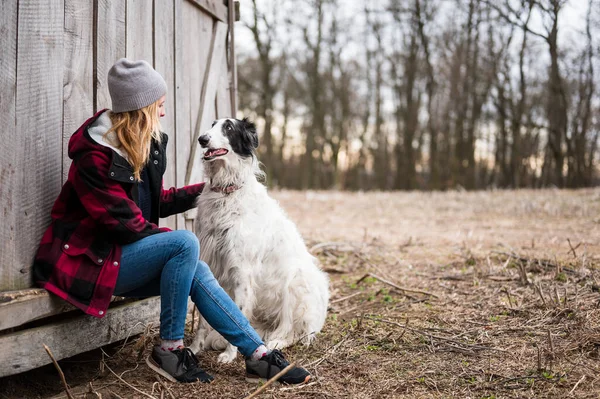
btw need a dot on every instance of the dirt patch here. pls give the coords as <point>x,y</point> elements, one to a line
<point>434,295</point>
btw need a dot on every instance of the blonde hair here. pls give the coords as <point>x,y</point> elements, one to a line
<point>133,133</point>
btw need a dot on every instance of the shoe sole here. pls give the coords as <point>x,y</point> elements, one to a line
<point>256,380</point>
<point>154,366</point>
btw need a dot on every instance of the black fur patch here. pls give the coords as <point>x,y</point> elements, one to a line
<point>242,136</point>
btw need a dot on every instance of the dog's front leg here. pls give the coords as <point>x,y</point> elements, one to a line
<point>203,330</point>
<point>243,296</point>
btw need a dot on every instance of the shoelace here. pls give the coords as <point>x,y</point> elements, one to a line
<point>276,358</point>
<point>188,359</point>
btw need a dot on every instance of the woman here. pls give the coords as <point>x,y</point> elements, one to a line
<point>104,238</point>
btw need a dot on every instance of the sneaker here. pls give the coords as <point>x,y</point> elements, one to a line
<point>179,365</point>
<point>269,365</point>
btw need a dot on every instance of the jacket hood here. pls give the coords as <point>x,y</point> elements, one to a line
<point>94,129</point>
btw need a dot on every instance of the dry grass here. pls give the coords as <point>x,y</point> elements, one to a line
<point>514,310</point>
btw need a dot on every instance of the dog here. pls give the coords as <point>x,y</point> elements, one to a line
<point>254,250</point>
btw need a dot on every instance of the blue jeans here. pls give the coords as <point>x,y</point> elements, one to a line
<point>167,264</point>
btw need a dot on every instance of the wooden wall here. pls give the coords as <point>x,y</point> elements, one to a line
<point>55,58</point>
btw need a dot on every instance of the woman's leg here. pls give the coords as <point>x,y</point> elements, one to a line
<point>221,312</point>
<point>162,264</point>
<point>167,264</point>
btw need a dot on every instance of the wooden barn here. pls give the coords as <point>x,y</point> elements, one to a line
<point>54,59</point>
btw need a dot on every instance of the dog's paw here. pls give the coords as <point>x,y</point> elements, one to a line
<point>195,347</point>
<point>278,344</point>
<point>215,341</point>
<point>226,357</point>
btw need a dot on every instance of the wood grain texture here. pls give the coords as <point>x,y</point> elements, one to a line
<point>9,159</point>
<point>110,45</point>
<point>181,139</point>
<point>164,63</point>
<point>119,323</point>
<point>20,307</point>
<point>214,8</point>
<point>78,77</point>
<point>191,63</point>
<point>223,100</point>
<point>139,30</point>
<point>39,106</point>
<point>232,63</point>
<point>206,113</point>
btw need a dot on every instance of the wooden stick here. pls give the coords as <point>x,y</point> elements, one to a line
<point>272,380</point>
<point>539,290</point>
<point>541,262</point>
<point>508,296</point>
<point>551,344</point>
<point>430,336</point>
<point>193,318</point>
<point>344,298</point>
<point>573,249</point>
<point>328,244</point>
<point>577,384</point>
<point>128,384</point>
<point>165,387</point>
<point>60,372</point>
<point>394,285</point>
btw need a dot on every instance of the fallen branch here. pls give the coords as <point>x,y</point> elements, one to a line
<point>542,262</point>
<point>345,298</point>
<point>394,285</point>
<point>431,336</point>
<point>573,249</point>
<point>576,385</point>
<point>329,244</point>
<point>272,380</point>
<point>165,387</point>
<point>128,384</point>
<point>60,372</point>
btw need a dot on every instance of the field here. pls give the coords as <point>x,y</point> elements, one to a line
<point>434,295</point>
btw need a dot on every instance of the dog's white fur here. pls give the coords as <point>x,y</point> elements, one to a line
<point>257,254</point>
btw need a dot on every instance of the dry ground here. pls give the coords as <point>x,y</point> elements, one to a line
<point>434,295</point>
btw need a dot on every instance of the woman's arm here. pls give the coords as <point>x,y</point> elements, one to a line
<point>107,202</point>
<point>177,200</point>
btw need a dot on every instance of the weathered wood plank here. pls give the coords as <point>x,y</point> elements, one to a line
<point>20,307</point>
<point>181,107</point>
<point>78,79</point>
<point>139,30</point>
<point>9,155</point>
<point>120,322</point>
<point>191,63</point>
<point>223,100</point>
<point>39,106</point>
<point>207,99</point>
<point>232,63</point>
<point>164,63</point>
<point>214,8</point>
<point>110,45</point>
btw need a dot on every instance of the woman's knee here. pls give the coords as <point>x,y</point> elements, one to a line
<point>203,272</point>
<point>187,242</point>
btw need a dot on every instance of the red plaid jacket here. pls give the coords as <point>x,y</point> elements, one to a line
<point>95,214</point>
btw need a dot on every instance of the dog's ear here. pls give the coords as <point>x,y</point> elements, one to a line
<point>250,132</point>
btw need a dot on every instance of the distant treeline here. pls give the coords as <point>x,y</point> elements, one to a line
<point>423,94</point>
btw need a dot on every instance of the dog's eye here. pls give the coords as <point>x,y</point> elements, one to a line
<point>228,127</point>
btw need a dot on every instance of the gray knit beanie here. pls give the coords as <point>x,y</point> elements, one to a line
<point>134,85</point>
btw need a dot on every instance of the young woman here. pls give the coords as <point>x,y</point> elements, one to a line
<point>104,238</point>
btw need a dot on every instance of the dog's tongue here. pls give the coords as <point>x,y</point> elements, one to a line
<point>215,152</point>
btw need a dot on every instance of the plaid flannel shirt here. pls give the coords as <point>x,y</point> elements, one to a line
<point>95,214</point>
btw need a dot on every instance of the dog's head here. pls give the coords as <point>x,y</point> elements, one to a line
<point>228,137</point>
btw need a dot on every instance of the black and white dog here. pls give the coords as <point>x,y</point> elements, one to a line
<point>254,250</point>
